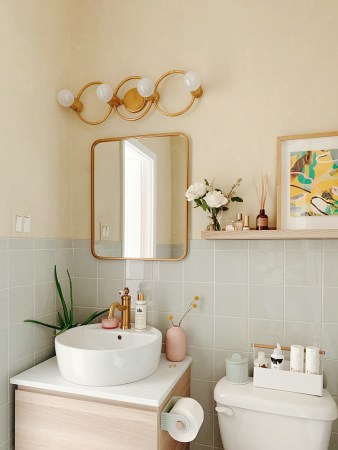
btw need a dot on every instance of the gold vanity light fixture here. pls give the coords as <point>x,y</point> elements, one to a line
<point>137,100</point>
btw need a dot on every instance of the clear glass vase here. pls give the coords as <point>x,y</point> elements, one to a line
<point>214,221</point>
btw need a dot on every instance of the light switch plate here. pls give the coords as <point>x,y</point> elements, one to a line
<point>21,223</point>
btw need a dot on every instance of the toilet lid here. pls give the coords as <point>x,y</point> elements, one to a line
<point>275,402</point>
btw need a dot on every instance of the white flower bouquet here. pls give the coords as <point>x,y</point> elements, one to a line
<point>212,199</point>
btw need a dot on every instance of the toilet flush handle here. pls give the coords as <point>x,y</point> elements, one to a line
<point>224,410</point>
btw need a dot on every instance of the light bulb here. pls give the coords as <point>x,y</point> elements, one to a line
<point>104,92</point>
<point>192,80</point>
<point>65,98</point>
<point>145,87</point>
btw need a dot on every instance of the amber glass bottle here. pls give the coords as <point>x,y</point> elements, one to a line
<point>262,220</point>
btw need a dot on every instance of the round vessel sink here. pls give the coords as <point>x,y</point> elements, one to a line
<point>93,356</point>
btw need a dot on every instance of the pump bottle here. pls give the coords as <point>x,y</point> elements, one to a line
<point>140,313</point>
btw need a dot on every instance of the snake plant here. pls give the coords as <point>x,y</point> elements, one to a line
<point>66,319</point>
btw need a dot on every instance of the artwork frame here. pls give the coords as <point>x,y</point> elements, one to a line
<point>307,174</point>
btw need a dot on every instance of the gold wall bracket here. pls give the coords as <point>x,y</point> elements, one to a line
<point>133,101</point>
<point>77,106</point>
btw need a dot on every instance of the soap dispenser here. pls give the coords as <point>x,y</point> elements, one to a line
<point>277,358</point>
<point>140,313</point>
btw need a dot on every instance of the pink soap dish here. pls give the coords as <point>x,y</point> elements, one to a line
<point>110,323</point>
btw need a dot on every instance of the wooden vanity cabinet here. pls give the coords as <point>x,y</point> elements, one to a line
<point>50,420</point>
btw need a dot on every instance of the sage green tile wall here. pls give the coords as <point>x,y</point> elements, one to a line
<point>27,291</point>
<point>264,291</point>
<point>249,291</point>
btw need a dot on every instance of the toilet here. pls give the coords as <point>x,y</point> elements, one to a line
<point>253,418</point>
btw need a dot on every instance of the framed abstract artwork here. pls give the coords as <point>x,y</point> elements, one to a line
<point>307,181</point>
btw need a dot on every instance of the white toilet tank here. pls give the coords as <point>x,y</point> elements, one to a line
<point>252,418</point>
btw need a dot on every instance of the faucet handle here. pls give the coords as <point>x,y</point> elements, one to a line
<point>125,294</point>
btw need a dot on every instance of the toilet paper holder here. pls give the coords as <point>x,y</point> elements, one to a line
<point>172,422</point>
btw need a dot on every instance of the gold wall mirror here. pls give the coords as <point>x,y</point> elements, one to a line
<point>138,204</point>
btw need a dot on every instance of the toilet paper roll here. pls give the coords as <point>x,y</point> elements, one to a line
<point>191,410</point>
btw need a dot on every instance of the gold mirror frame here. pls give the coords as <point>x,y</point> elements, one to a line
<point>92,209</point>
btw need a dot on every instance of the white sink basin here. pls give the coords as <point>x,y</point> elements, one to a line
<point>93,356</point>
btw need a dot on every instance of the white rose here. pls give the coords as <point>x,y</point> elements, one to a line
<point>195,191</point>
<point>215,199</point>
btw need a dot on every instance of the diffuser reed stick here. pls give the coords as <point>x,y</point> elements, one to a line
<point>264,190</point>
<point>262,218</point>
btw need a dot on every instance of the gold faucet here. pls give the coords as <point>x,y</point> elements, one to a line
<point>126,299</point>
<point>115,305</point>
<point>124,308</point>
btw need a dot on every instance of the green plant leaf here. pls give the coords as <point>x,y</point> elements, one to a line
<point>204,205</point>
<point>224,208</point>
<point>71,309</point>
<point>94,316</point>
<point>61,321</point>
<point>206,182</point>
<point>64,305</point>
<point>55,327</point>
<point>236,199</point>
<point>67,327</point>
<point>66,322</point>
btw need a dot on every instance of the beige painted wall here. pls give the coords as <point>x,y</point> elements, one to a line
<point>269,68</point>
<point>34,131</point>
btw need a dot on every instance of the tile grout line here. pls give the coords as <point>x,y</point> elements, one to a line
<point>182,288</point>
<point>8,337</point>
<point>97,286</point>
<point>322,295</point>
<point>214,338</point>
<point>34,293</point>
<point>248,294</point>
<point>284,292</point>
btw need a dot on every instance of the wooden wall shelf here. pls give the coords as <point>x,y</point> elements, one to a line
<point>271,234</point>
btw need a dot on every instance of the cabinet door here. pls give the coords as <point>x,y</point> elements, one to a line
<point>47,422</point>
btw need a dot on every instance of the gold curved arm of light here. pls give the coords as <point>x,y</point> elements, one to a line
<point>92,83</point>
<point>167,74</point>
<point>131,119</point>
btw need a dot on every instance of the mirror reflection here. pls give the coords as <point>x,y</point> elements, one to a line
<point>139,208</point>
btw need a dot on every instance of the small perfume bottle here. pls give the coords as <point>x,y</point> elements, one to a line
<point>246,225</point>
<point>229,225</point>
<point>238,225</point>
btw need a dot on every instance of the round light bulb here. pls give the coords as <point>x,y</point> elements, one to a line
<point>192,80</point>
<point>65,98</point>
<point>104,92</point>
<point>145,87</point>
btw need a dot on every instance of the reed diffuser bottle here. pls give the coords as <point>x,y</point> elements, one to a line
<point>262,220</point>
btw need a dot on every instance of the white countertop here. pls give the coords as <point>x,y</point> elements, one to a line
<point>150,391</point>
